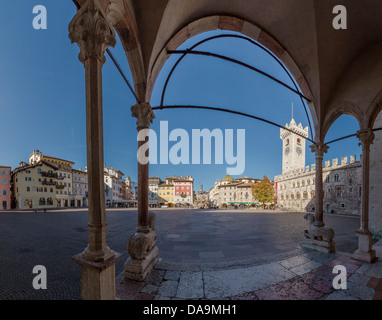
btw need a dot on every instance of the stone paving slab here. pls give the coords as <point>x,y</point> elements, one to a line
<point>190,286</point>
<point>270,281</point>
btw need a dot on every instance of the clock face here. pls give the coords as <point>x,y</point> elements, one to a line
<point>287,150</point>
<point>299,151</point>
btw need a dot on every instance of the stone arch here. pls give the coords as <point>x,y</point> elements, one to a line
<point>374,110</point>
<point>230,23</point>
<point>341,108</point>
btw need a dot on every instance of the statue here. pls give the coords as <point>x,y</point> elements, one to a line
<point>140,243</point>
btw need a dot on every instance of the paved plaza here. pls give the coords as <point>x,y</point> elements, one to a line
<point>204,254</point>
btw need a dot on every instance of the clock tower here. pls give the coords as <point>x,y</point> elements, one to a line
<point>293,146</point>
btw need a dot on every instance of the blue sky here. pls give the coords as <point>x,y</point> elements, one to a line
<point>43,99</point>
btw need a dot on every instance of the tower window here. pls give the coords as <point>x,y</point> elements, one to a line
<point>299,141</point>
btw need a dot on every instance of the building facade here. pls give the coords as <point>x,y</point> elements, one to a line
<point>113,186</point>
<point>5,188</point>
<point>64,186</point>
<point>34,186</point>
<point>80,187</point>
<point>154,182</point>
<point>166,193</point>
<point>232,192</point>
<point>183,191</point>
<point>295,187</point>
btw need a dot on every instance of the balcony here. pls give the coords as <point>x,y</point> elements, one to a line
<point>49,174</point>
<point>60,186</point>
<point>48,183</point>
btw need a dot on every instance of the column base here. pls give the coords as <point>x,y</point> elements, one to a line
<point>139,269</point>
<point>97,278</point>
<point>365,256</point>
<point>365,251</point>
<point>318,245</point>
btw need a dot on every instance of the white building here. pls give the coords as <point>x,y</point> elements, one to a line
<point>230,191</point>
<point>113,186</point>
<point>80,187</point>
<point>154,182</point>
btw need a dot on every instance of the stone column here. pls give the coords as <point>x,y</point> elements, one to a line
<point>93,34</point>
<point>142,244</point>
<point>319,149</point>
<point>365,252</point>
<point>317,236</point>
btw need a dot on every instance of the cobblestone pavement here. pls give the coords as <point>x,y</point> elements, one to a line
<point>205,248</point>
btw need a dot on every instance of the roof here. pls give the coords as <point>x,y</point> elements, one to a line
<point>246,178</point>
<point>116,170</point>
<point>58,159</point>
<point>80,171</point>
<point>183,180</point>
<point>233,183</point>
<point>244,185</point>
<point>30,166</point>
<point>165,185</point>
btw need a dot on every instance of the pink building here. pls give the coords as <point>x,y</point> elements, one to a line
<point>183,190</point>
<point>5,188</point>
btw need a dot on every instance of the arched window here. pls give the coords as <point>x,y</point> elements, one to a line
<point>282,197</point>
<point>303,183</point>
<point>287,142</point>
<point>293,185</point>
<point>41,202</point>
<point>305,195</point>
<point>26,203</point>
<point>299,141</point>
<point>49,202</point>
<point>298,184</point>
<point>298,196</point>
<point>308,182</point>
<point>292,196</point>
<point>337,178</point>
<point>312,194</point>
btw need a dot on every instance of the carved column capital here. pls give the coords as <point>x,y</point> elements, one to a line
<point>144,114</point>
<point>319,149</point>
<point>91,30</point>
<point>366,137</point>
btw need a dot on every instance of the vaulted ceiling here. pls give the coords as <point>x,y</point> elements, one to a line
<point>341,70</point>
